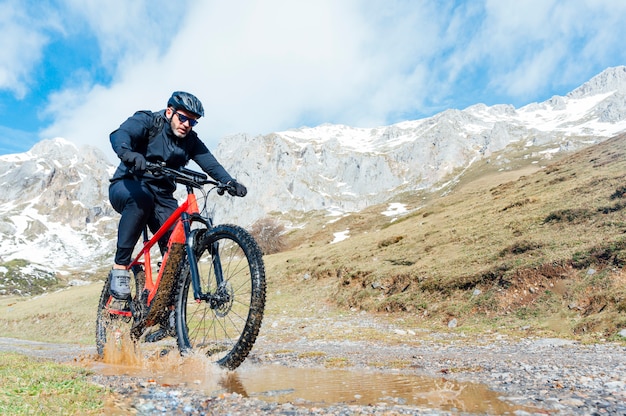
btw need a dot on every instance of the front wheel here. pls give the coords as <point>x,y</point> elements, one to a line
<point>225,326</point>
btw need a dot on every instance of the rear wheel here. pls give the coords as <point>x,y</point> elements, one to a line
<point>113,325</point>
<point>224,327</point>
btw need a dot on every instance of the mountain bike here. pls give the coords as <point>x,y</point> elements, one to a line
<point>208,292</point>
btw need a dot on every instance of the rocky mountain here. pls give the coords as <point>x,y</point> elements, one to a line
<point>54,209</point>
<point>340,168</point>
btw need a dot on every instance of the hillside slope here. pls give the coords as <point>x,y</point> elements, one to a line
<point>541,246</point>
<point>539,249</point>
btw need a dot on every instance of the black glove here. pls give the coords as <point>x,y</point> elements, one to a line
<point>236,189</point>
<point>136,161</point>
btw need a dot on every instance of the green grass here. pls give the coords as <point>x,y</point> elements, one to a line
<point>29,386</point>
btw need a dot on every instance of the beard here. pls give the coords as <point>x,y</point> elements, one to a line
<point>181,132</point>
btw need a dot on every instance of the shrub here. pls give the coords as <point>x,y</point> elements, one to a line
<point>269,233</point>
<point>619,192</point>
<point>568,215</point>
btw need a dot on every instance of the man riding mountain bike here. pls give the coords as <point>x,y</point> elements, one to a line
<point>142,199</point>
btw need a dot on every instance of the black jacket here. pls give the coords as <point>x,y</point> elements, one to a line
<point>135,135</point>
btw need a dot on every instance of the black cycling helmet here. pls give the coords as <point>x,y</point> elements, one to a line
<point>181,100</point>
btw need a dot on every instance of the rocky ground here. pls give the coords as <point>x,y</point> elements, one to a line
<point>528,375</point>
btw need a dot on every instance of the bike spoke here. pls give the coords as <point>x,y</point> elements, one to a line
<point>224,327</point>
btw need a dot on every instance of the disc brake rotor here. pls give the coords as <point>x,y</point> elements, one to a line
<point>226,297</point>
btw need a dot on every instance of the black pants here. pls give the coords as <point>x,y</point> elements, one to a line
<point>140,204</point>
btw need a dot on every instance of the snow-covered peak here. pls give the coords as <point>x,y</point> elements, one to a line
<point>574,116</point>
<point>350,138</point>
<point>597,108</point>
<point>608,81</point>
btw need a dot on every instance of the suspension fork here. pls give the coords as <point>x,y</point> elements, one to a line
<point>191,255</point>
<point>217,264</point>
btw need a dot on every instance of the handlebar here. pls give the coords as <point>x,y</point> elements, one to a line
<point>186,177</point>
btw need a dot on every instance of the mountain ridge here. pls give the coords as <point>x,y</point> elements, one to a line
<point>379,162</point>
<point>55,210</point>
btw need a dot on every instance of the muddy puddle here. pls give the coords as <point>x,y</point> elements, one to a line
<point>307,386</point>
<point>276,383</point>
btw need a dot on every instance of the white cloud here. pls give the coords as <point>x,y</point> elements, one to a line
<point>23,39</point>
<point>542,44</point>
<point>128,28</point>
<point>263,66</point>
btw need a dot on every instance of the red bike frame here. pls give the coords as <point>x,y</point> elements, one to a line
<point>176,220</point>
<point>189,206</point>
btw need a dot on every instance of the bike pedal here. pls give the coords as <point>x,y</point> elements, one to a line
<point>119,305</point>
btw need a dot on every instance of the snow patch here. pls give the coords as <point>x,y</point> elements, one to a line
<point>395,209</point>
<point>340,236</point>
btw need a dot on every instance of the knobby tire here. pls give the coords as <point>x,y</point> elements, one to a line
<point>112,329</point>
<point>225,332</point>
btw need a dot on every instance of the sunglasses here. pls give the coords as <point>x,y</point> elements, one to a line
<point>183,118</point>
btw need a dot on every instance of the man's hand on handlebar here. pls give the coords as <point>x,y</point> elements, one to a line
<point>236,189</point>
<point>196,179</point>
<point>136,161</point>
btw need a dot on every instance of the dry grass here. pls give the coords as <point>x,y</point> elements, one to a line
<point>512,247</point>
<point>538,246</point>
<point>65,316</point>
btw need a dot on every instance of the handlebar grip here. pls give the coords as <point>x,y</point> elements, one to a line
<point>181,175</point>
<point>198,176</point>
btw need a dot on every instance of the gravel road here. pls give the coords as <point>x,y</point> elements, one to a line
<point>449,372</point>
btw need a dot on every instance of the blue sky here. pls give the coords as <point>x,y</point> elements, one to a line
<point>76,69</point>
